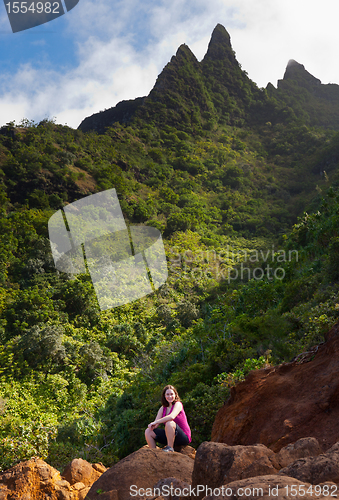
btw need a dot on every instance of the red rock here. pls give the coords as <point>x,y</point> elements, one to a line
<point>269,487</point>
<point>316,470</point>
<point>78,486</point>
<point>143,468</point>
<point>279,405</point>
<point>36,480</point>
<point>186,450</point>
<point>33,480</point>
<point>216,463</point>
<point>82,494</point>
<point>80,470</point>
<point>109,495</point>
<point>304,447</point>
<point>169,485</point>
<point>99,467</point>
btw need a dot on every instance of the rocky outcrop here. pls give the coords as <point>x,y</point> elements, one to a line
<point>141,470</point>
<point>316,470</point>
<point>187,84</point>
<point>236,472</point>
<point>304,447</point>
<point>36,480</point>
<point>219,471</point>
<point>297,73</point>
<point>270,487</point>
<point>217,464</point>
<point>319,101</point>
<point>80,470</point>
<point>165,485</point>
<point>123,112</point>
<point>186,450</point>
<point>279,405</point>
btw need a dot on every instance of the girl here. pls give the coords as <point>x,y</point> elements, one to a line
<point>171,413</point>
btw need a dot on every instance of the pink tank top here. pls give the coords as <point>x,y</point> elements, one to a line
<point>181,420</point>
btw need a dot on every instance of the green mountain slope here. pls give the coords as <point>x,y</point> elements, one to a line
<point>238,137</point>
<point>225,170</point>
<point>190,95</point>
<point>315,103</point>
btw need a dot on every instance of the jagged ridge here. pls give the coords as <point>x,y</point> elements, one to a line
<point>190,95</point>
<point>315,103</point>
<point>194,94</point>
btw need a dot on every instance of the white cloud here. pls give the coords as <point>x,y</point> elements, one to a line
<point>279,30</point>
<point>124,45</point>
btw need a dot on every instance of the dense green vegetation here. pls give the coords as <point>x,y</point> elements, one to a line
<point>253,278</point>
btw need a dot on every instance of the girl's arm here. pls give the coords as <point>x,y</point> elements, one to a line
<point>154,425</point>
<point>161,420</point>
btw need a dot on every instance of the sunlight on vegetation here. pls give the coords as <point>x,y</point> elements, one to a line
<point>226,175</point>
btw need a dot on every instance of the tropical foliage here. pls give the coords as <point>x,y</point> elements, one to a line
<point>253,278</point>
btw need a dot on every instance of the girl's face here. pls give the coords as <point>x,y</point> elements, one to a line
<point>170,395</point>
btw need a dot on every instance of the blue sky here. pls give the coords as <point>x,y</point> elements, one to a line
<point>104,51</point>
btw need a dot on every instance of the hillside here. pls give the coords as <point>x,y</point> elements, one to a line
<point>192,95</point>
<point>315,103</point>
<point>225,171</point>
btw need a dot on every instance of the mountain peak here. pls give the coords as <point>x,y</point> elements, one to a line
<point>220,45</point>
<point>315,103</point>
<point>184,52</point>
<point>298,73</point>
<point>184,58</point>
<point>220,35</point>
<point>292,62</point>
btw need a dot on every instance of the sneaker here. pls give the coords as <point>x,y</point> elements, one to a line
<point>167,448</point>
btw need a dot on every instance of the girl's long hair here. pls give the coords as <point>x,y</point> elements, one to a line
<point>164,401</point>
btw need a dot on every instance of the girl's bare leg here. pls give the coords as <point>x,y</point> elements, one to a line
<point>150,437</point>
<point>170,427</point>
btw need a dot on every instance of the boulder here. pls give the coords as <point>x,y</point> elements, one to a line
<point>141,470</point>
<point>80,470</point>
<point>217,464</point>
<point>304,447</point>
<point>279,405</point>
<point>36,480</point>
<point>171,488</point>
<point>270,487</point>
<point>186,450</point>
<point>82,494</point>
<point>99,467</point>
<point>316,470</point>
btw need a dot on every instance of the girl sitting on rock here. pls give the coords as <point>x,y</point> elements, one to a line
<point>177,431</point>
